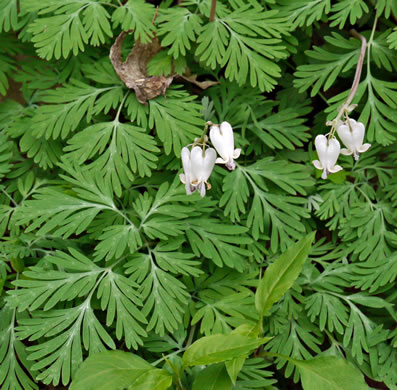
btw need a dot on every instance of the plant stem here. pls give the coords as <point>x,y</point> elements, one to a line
<point>213,10</point>
<point>359,68</point>
<point>116,119</point>
<point>371,38</point>
<point>344,107</point>
<point>191,334</point>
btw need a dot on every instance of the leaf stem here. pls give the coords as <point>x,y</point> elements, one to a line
<point>213,10</point>
<point>191,334</point>
<point>9,197</point>
<point>116,119</point>
<point>109,4</point>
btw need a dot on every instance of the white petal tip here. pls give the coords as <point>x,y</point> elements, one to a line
<point>364,148</point>
<point>317,164</point>
<point>236,153</point>
<point>346,152</point>
<point>220,160</point>
<point>335,169</point>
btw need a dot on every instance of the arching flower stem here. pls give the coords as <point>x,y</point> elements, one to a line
<point>345,108</point>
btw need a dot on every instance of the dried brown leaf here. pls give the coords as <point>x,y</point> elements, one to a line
<point>202,84</point>
<point>133,70</point>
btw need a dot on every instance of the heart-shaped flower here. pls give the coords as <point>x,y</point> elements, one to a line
<point>223,140</point>
<point>328,153</point>
<point>197,165</point>
<point>352,135</point>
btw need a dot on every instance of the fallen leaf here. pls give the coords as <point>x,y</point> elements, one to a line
<point>202,84</point>
<point>133,70</point>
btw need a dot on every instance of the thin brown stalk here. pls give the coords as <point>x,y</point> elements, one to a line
<point>359,68</point>
<point>213,10</point>
<point>345,106</point>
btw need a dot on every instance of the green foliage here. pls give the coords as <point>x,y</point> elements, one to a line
<point>269,212</point>
<point>246,41</point>
<point>304,12</point>
<point>329,62</point>
<point>179,27</point>
<point>100,247</point>
<point>346,9</point>
<point>330,373</point>
<point>213,377</point>
<point>126,370</point>
<point>280,276</point>
<point>69,28</point>
<point>218,348</point>
<point>136,15</point>
<point>13,362</point>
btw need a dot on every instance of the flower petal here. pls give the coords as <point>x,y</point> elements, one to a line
<point>201,189</point>
<point>346,136</point>
<point>335,169</point>
<point>358,134</point>
<point>346,152</point>
<point>321,147</point>
<point>222,139</point>
<point>364,148</point>
<point>317,164</point>
<point>209,162</point>
<point>236,153</point>
<point>202,166</point>
<point>197,163</point>
<point>332,153</point>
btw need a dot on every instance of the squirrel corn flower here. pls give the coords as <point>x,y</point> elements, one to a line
<point>197,165</point>
<point>223,140</point>
<point>352,135</point>
<point>328,153</point>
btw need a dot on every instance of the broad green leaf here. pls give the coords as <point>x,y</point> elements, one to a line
<point>213,377</point>
<point>219,348</point>
<point>153,380</point>
<point>235,365</point>
<point>116,370</point>
<point>281,275</point>
<point>330,373</point>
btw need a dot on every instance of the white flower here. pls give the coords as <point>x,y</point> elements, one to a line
<point>198,165</point>
<point>328,152</point>
<point>223,140</point>
<point>352,135</point>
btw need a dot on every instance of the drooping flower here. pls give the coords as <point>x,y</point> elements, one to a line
<point>328,153</point>
<point>352,135</point>
<point>223,140</point>
<point>197,165</point>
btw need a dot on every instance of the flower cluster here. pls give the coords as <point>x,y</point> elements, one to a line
<point>328,149</point>
<point>199,162</point>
